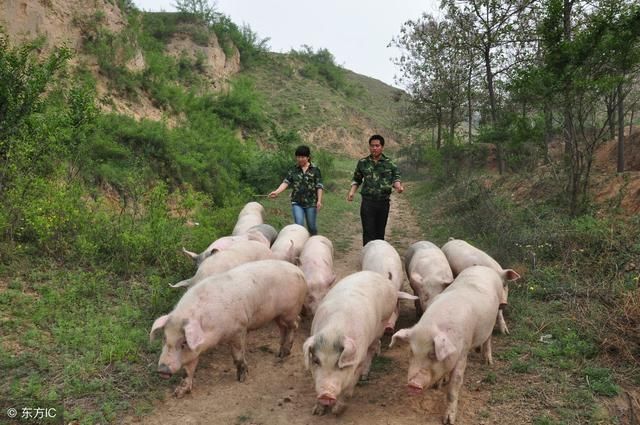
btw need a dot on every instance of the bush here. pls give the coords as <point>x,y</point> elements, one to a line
<point>240,107</point>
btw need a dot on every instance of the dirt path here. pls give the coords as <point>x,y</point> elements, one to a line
<point>283,392</point>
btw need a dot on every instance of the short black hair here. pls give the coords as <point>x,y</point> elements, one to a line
<point>377,137</point>
<point>303,150</point>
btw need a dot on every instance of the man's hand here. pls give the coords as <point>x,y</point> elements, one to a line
<point>398,186</point>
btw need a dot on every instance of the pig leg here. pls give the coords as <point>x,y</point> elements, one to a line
<point>502,325</point>
<point>486,351</point>
<point>287,334</point>
<point>238,348</point>
<point>390,324</point>
<point>453,390</point>
<point>187,383</point>
<point>419,310</point>
<point>372,351</point>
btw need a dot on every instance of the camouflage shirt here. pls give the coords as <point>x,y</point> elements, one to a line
<point>376,178</point>
<point>304,185</point>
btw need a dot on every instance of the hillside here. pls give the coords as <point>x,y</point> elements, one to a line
<point>325,117</point>
<point>328,118</point>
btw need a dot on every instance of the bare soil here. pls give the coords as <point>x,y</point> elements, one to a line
<point>282,392</point>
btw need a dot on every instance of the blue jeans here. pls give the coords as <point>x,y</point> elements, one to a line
<point>299,214</point>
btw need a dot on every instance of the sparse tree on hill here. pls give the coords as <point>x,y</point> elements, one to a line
<point>207,10</point>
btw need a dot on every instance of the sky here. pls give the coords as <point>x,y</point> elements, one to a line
<point>356,32</point>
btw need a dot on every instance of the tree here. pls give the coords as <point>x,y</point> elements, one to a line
<point>500,32</point>
<point>587,53</point>
<point>436,70</point>
<point>206,10</point>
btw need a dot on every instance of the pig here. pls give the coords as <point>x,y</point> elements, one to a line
<point>379,256</point>
<point>428,271</point>
<point>222,309</point>
<point>462,317</point>
<point>316,262</point>
<point>268,232</point>
<point>345,336</point>
<point>239,253</point>
<point>461,254</point>
<point>263,233</point>
<point>251,214</point>
<point>288,245</point>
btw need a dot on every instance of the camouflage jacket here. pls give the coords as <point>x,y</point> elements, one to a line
<point>304,186</point>
<point>376,178</point>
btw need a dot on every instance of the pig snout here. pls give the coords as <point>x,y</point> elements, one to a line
<point>327,399</point>
<point>164,371</point>
<point>414,388</point>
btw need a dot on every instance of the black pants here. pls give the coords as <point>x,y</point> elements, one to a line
<point>374,216</point>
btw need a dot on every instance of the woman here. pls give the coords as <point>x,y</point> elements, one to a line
<point>306,189</point>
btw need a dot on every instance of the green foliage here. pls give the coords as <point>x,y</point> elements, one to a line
<point>240,107</point>
<point>601,381</point>
<point>522,138</point>
<point>27,137</point>
<point>252,49</point>
<point>320,65</point>
<point>113,51</point>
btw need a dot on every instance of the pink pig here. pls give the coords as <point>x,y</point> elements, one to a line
<point>250,215</point>
<point>239,253</point>
<point>459,319</point>
<point>461,254</point>
<point>223,308</point>
<point>316,262</point>
<point>288,245</point>
<point>345,336</point>
<point>379,256</point>
<point>428,272</point>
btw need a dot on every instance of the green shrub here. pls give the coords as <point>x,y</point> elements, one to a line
<point>241,107</point>
<point>601,381</point>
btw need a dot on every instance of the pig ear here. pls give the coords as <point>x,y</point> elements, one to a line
<point>348,356</point>
<point>208,254</point>
<point>444,347</point>
<point>401,335</point>
<point>193,333</point>
<point>406,296</point>
<point>510,275</point>
<point>306,350</point>
<point>157,325</point>
<point>190,254</point>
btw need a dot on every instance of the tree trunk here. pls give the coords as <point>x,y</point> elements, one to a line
<point>620,129</point>
<point>469,104</point>
<point>548,129</point>
<point>452,124</point>
<point>612,103</point>
<point>566,22</point>
<point>439,139</point>
<point>493,107</point>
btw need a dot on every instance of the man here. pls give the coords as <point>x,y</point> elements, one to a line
<point>307,188</point>
<point>377,174</point>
